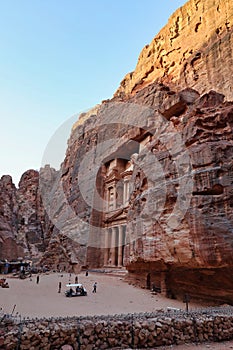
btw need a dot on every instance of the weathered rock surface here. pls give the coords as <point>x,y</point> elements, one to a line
<point>22,217</point>
<point>30,215</point>
<point>9,248</point>
<point>27,225</point>
<point>180,227</point>
<point>180,220</point>
<point>193,50</point>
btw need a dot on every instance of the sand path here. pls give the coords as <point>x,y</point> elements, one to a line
<point>228,345</point>
<point>113,296</point>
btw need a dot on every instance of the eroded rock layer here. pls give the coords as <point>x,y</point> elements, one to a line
<point>26,228</point>
<point>147,183</point>
<point>22,218</point>
<point>9,248</point>
<point>193,50</point>
<point>180,226</point>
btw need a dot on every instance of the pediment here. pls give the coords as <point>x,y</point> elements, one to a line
<point>127,172</point>
<point>119,214</point>
<point>113,175</point>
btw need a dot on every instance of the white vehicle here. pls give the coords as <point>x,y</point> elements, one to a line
<point>75,290</point>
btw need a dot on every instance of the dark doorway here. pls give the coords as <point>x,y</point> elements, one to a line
<point>148,282</point>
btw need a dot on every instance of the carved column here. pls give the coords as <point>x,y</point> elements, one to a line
<point>126,186</point>
<point>120,246</point>
<point>106,198</point>
<point>113,247</point>
<point>114,196</point>
<point>110,199</point>
<point>106,247</point>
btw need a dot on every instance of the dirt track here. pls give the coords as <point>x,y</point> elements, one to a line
<point>209,346</point>
<point>113,296</point>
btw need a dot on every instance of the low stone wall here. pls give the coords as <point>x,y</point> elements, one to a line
<point>131,331</point>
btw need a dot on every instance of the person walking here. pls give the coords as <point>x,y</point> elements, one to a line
<point>59,287</point>
<point>94,287</point>
<point>37,279</point>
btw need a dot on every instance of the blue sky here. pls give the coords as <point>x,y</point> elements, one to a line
<point>62,57</point>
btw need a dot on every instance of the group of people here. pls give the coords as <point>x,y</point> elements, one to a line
<point>79,289</point>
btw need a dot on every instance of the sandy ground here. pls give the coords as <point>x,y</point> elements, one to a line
<point>228,345</point>
<point>113,296</point>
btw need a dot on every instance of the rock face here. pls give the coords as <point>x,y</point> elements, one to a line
<point>22,217</point>
<point>147,183</point>
<point>180,226</point>
<point>30,215</point>
<point>193,50</point>
<point>9,249</point>
<point>27,226</point>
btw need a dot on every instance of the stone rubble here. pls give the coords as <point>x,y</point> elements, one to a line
<point>144,330</point>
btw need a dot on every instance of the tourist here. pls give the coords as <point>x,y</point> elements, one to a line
<point>37,279</point>
<point>82,292</point>
<point>94,287</point>
<point>59,287</point>
<point>87,273</point>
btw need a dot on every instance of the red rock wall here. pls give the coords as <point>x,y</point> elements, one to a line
<point>23,221</point>
<point>194,49</point>
<point>185,225</point>
<point>9,248</point>
<point>31,215</point>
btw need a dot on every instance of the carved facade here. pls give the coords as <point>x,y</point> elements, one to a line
<point>117,192</point>
<point>116,195</point>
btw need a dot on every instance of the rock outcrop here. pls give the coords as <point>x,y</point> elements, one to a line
<point>180,226</point>
<point>176,227</point>
<point>9,247</point>
<point>27,228</point>
<point>22,218</point>
<point>30,214</point>
<point>193,50</point>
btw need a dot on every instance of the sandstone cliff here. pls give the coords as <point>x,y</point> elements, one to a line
<point>22,218</point>
<point>9,248</point>
<point>179,221</point>
<point>194,50</point>
<point>27,229</point>
<point>180,226</point>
